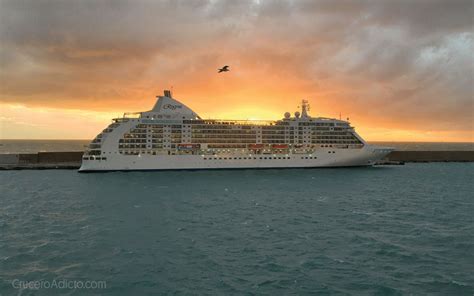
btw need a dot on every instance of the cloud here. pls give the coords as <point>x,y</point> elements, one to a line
<point>394,63</point>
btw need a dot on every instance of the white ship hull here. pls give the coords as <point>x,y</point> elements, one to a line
<point>366,156</point>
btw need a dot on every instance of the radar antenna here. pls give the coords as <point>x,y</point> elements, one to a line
<point>305,107</point>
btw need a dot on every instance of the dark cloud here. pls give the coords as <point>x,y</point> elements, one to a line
<point>411,60</point>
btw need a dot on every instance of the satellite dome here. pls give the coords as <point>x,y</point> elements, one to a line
<point>297,114</point>
<point>287,115</point>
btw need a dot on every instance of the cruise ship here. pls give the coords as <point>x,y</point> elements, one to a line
<point>171,136</point>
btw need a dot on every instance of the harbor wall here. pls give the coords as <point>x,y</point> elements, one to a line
<point>41,160</point>
<point>72,160</point>
<point>431,156</point>
<point>45,157</point>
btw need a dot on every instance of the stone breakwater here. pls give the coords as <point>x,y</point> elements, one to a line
<point>41,160</point>
<point>72,160</point>
<point>431,156</point>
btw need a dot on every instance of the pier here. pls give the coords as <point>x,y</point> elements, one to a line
<point>72,160</point>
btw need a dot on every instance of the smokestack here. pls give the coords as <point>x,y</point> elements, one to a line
<point>168,93</point>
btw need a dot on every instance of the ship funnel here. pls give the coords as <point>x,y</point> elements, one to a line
<point>168,93</point>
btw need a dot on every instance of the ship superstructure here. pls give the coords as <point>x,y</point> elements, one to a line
<point>172,136</point>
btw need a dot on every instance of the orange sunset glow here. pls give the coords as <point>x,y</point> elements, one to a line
<point>400,71</point>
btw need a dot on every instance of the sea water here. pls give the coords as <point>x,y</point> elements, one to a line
<point>394,230</point>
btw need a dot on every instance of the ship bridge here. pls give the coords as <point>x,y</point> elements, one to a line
<point>168,107</point>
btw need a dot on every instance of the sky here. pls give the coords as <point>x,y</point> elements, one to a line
<point>399,70</point>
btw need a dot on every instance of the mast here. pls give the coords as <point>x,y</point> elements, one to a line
<point>304,108</point>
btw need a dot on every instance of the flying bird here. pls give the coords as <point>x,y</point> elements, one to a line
<point>224,69</point>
